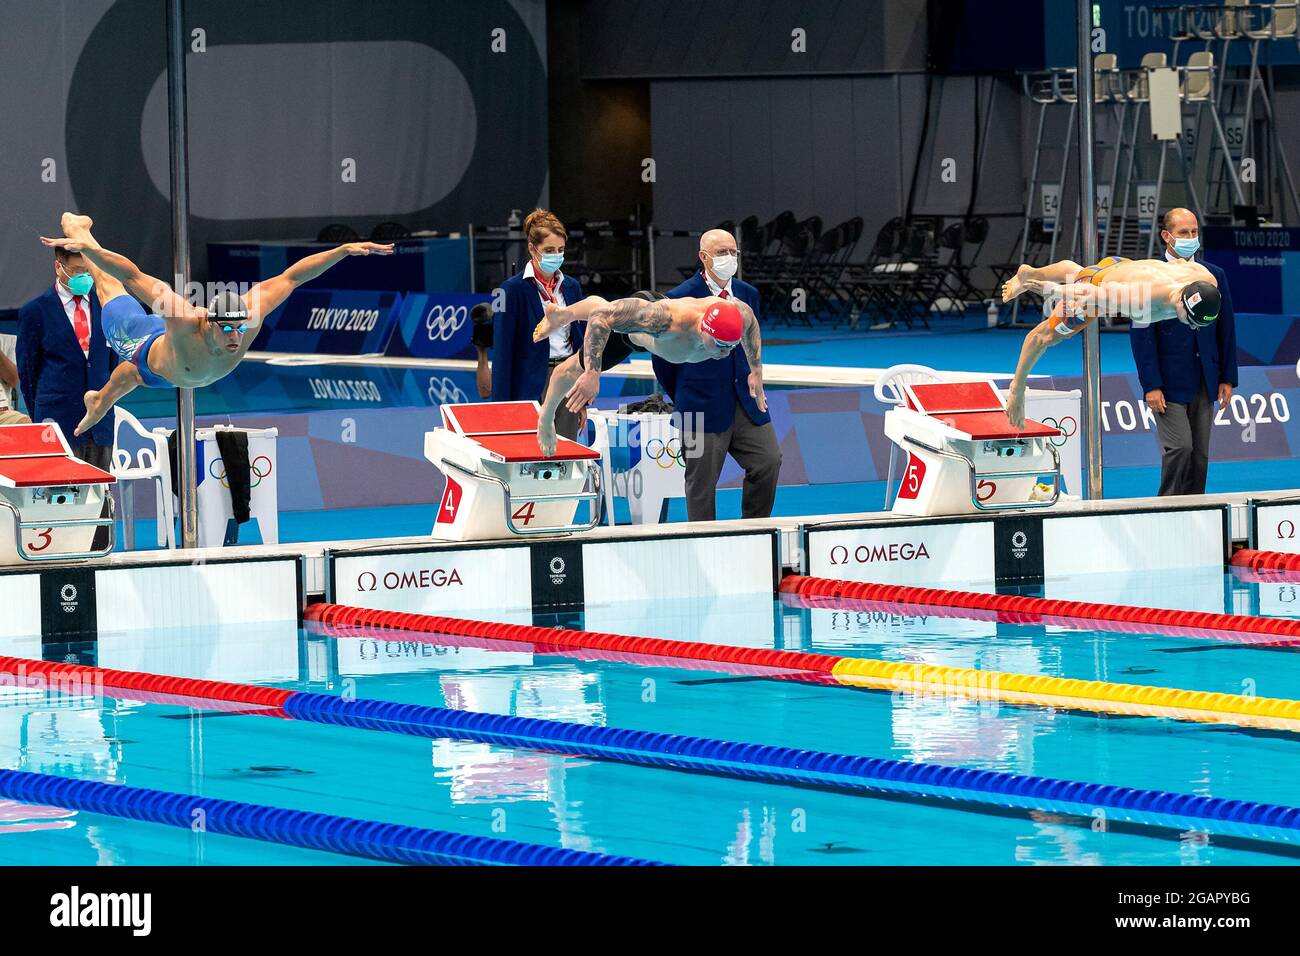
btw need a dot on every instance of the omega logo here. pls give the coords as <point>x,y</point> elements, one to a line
<point>422,579</point>
<point>867,554</point>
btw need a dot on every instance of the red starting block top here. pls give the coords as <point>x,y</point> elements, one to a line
<point>512,448</point>
<point>22,441</point>
<point>42,470</point>
<point>937,398</point>
<point>986,426</point>
<point>492,418</point>
<point>508,431</point>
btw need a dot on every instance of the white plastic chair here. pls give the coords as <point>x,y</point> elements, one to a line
<point>888,391</point>
<point>150,463</point>
<point>1140,91</point>
<point>1198,77</point>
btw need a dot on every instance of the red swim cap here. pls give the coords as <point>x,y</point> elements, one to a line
<point>723,321</point>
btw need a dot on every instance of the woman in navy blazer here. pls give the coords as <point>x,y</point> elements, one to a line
<point>521,367</point>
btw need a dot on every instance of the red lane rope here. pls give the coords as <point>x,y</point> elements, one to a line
<point>1265,560</point>
<point>1020,609</point>
<point>352,632</point>
<point>338,614</point>
<point>85,679</point>
<point>903,609</point>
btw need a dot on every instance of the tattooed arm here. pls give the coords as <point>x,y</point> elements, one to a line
<point>621,315</point>
<point>752,342</point>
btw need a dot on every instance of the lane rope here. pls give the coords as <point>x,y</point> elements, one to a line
<point>762,762</point>
<point>391,842</point>
<point>1265,560</point>
<point>1023,609</point>
<point>903,608</point>
<point>904,677</point>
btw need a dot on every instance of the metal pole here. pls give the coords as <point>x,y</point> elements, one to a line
<point>180,189</point>
<point>650,255</point>
<point>472,256</point>
<point>1088,210</point>
<point>1160,188</point>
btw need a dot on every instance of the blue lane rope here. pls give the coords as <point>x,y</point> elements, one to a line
<point>393,842</point>
<point>790,765</point>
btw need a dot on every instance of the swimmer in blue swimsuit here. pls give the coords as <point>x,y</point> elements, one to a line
<point>176,343</point>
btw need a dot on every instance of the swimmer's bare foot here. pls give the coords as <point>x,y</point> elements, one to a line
<point>74,225</point>
<point>1015,285</point>
<point>549,323</point>
<point>96,408</point>
<point>546,435</point>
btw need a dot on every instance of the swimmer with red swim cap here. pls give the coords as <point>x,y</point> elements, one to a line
<point>678,330</point>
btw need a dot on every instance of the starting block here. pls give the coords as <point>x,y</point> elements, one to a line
<point>50,502</point>
<point>498,481</point>
<point>959,445</point>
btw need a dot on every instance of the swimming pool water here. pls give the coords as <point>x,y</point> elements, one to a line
<point>661,814</point>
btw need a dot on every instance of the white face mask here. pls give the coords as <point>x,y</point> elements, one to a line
<point>724,267</point>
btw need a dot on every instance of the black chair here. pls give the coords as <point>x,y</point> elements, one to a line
<point>389,232</point>
<point>1038,243</point>
<point>867,284</point>
<point>939,288</point>
<point>831,265</point>
<point>337,233</point>
<point>764,267</point>
<point>908,287</point>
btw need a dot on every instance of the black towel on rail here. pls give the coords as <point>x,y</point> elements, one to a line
<point>233,446</point>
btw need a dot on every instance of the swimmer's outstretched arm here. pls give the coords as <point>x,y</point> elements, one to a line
<point>1043,336</point>
<point>621,315</point>
<point>265,297</point>
<point>751,340</point>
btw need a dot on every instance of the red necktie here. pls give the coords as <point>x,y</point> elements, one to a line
<point>722,294</point>
<point>81,323</point>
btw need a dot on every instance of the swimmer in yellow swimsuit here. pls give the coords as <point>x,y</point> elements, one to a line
<point>1145,290</point>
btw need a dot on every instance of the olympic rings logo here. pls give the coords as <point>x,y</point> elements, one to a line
<point>259,468</point>
<point>1067,426</point>
<point>444,321</point>
<point>666,454</point>
<point>443,391</point>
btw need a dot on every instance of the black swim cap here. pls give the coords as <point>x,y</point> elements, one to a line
<point>1202,302</point>
<point>225,306</point>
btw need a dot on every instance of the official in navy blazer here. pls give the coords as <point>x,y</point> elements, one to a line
<point>61,354</point>
<point>718,412</point>
<point>1184,370</point>
<point>521,368</point>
